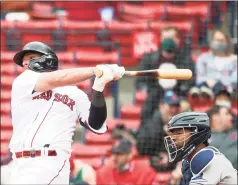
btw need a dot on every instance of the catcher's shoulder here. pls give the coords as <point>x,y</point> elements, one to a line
<point>203,159</point>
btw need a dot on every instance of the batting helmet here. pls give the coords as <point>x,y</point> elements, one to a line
<point>47,62</point>
<point>200,131</point>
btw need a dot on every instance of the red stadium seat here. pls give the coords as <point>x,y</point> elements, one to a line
<point>92,138</point>
<point>41,26</point>
<point>178,13</point>
<point>155,3</point>
<point>3,40</point>
<point>81,150</point>
<point>129,61</point>
<point>234,107</point>
<point>6,82</point>
<point>6,136</point>
<point>128,123</point>
<point>125,26</point>
<point>85,10</point>
<point>129,111</point>
<point>8,69</point>
<point>140,97</point>
<point>197,3</point>
<point>119,26</point>
<point>5,108</point>
<point>31,35</point>
<point>7,57</point>
<point>43,10</point>
<point>6,122</point>
<point>37,31</point>
<point>74,38</point>
<point>5,24</point>
<point>139,13</point>
<point>82,25</point>
<point>94,58</point>
<point>5,95</point>
<point>124,38</point>
<point>184,26</point>
<point>126,50</point>
<point>65,57</point>
<point>4,149</point>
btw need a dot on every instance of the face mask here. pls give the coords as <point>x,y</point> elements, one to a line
<point>169,45</point>
<point>217,47</point>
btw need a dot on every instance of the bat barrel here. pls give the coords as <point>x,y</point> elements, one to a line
<point>179,74</point>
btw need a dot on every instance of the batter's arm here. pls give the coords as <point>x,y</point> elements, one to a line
<point>50,80</point>
<point>98,110</point>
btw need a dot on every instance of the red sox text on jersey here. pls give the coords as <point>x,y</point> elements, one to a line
<point>58,98</point>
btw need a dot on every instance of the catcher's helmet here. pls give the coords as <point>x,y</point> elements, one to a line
<point>200,131</point>
<point>47,62</point>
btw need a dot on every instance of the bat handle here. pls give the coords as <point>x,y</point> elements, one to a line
<point>98,73</point>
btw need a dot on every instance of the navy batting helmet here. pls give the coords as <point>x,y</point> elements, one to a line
<point>47,62</point>
<point>200,131</point>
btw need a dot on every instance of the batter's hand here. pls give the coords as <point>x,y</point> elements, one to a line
<point>118,71</point>
<point>110,72</point>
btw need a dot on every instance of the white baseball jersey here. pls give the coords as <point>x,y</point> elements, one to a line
<point>50,117</point>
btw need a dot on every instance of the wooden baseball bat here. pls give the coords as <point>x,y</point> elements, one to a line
<point>179,74</point>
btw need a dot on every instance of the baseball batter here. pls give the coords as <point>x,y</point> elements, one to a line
<point>45,107</point>
<point>202,164</point>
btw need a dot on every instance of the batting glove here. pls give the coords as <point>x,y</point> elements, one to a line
<point>108,75</point>
<point>118,71</point>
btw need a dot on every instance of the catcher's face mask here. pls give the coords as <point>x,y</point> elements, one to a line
<point>176,142</point>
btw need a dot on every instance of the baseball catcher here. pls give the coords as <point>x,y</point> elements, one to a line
<point>188,141</point>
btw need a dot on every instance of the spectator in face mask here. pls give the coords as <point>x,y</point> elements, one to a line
<point>219,65</point>
<point>170,55</point>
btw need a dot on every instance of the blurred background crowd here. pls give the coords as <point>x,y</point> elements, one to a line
<point>198,35</point>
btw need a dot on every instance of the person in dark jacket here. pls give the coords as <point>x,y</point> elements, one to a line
<point>150,137</point>
<point>224,136</point>
<point>170,51</point>
<point>170,54</point>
